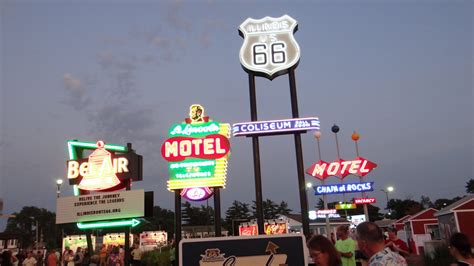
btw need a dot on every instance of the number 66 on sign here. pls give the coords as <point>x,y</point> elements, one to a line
<point>269,47</point>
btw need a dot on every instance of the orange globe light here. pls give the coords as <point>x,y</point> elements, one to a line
<point>355,136</point>
<point>317,134</point>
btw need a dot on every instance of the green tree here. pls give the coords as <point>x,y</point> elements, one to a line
<point>270,209</point>
<point>470,186</point>
<point>283,208</point>
<point>400,208</point>
<point>162,219</point>
<point>238,212</point>
<point>426,202</point>
<point>441,203</point>
<point>197,215</point>
<point>25,222</point>
<point>320,204</point>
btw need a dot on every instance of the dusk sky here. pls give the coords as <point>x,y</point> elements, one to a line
<point>398,72</point>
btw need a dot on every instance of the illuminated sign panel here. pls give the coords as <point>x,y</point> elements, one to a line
<point>325,212</point>
<point>75,241</point>
<point>345,206</point>
<point>248,230</point>
<point>269,47</point>
<point>116,239</point>
<point>277,228</point>
<point>107,168</point>
<point>341,168</point>
<point>275,126</point>
<point>313,215</point>
<point>149,240</point>
<point>101,206</point>
<point>357,219</point>
<point>365,201</point>
<point>343,188</point>
<point>197,152</point>
<point>197,193</point>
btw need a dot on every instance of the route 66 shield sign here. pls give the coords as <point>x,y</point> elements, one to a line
<point>269,47</point>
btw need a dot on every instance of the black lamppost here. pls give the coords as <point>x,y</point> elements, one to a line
<point>387,190</point>
<point>59,182</point>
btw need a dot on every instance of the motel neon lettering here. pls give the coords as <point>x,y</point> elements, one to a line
<point>211,147</point>
<point>341,168</point>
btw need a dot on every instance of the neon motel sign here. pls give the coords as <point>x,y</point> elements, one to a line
<point>341,168</point>
<point>197,153</point>
<point>343,188</point>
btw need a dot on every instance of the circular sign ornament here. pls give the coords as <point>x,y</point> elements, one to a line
<point>269,47</point>
<point>197,193</point>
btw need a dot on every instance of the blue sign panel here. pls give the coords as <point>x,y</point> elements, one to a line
<point>285,126</point>
<point>343,188</point>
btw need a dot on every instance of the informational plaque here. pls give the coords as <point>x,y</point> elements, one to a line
<point>101,206</point>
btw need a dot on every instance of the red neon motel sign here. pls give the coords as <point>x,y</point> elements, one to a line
<point>341,168</point>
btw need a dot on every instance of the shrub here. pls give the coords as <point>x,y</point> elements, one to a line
<point>156,257</point>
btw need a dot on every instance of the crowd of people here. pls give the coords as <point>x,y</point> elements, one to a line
<point>107,256</point>
<point>368,245</point>
<point>373,247</point>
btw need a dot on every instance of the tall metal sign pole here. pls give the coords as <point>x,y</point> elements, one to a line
<point>197,152</point>
<point>270,50</point>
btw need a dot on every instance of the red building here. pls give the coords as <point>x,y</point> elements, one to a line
<point>400,223</point>
<point>421,227</point>
<point>457,217</point>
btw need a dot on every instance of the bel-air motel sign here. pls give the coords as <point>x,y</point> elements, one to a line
<point>269,47</point>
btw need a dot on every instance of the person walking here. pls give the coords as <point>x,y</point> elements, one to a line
<point>69,258</point>
<point>52,259</point>
<point>136,255</point>
<point>370,241</point>
<point>30,259</point>
<point>346,246</point>
<point>396,244</point>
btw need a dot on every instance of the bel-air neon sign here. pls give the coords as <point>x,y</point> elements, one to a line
<point>343,188</point>
<point>107,168</point>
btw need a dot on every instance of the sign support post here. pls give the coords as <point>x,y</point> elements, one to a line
<point>127,246</point>
<point>256,157</point>
<point>177,222</point>
<point>217,212</point>
<point>299,156</point>
<point>89,241</point>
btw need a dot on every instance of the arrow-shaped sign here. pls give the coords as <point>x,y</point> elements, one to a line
<point>271,247</point>
<point>105,224</point>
